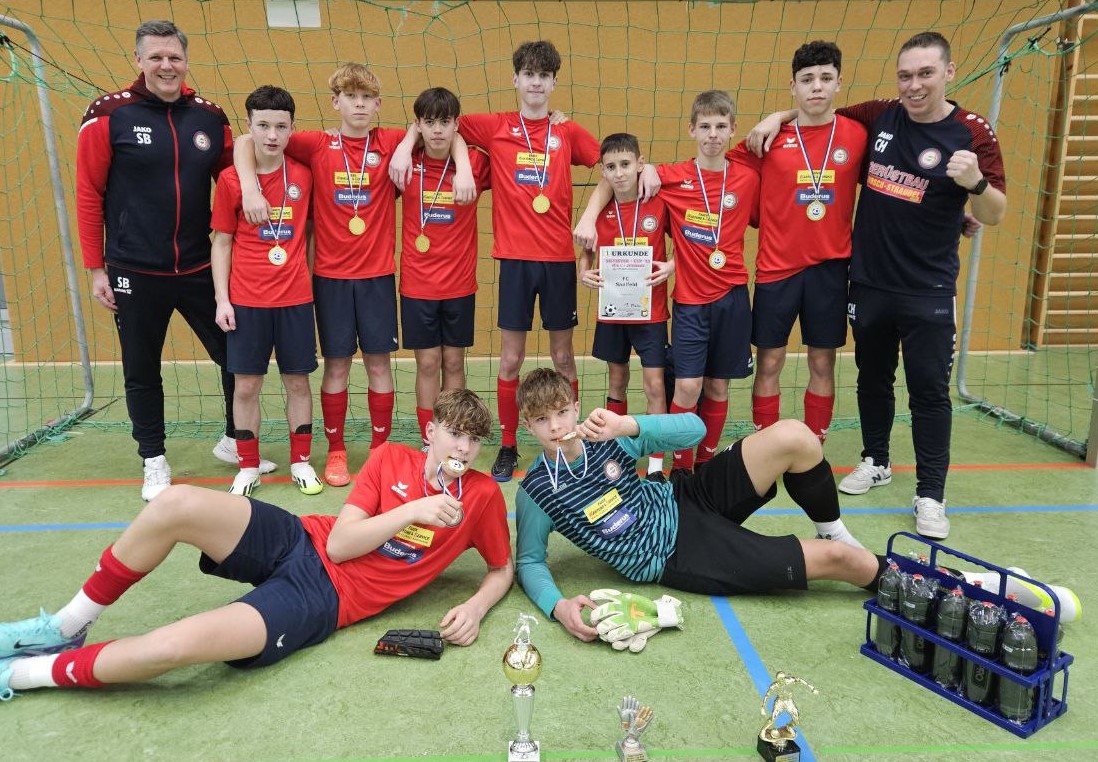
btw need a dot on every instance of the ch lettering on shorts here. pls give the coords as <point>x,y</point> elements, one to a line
<point>605,512</point>
<point>850,308</point>
<point>143,135</point>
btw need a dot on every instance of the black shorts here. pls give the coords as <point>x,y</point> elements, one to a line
<point>356,314</point>
<point>289,331</point>
<point>429,323</point>
<point>714,555</point>
<point>554,285</point>
<point>817,295</point>
<point>614,340</point>
<point>713,340</point>
<point>293,592</point>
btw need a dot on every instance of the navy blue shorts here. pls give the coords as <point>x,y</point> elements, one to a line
<point>714,554</point>
<point>713,340</point>
<point>293,592</point>
<point>614,340</point>
<point>356,314</point>
<point>817,295</point>
<point>289,331</point>
<point>553,283</point>
<point>429,323</point>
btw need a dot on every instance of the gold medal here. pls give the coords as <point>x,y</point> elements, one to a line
<point>422,243</point>
<point>717,259</point>
<point>356,225</point>
<point>816,211</point>
<point>541,203</point>
<point>277,255</point>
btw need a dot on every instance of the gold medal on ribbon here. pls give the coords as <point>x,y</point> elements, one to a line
<point>717,259</point>
<point>422,243</point>
<point>277,255</point>
<point>356,225</point>
<point>541,203</point>
<point>816,211</point>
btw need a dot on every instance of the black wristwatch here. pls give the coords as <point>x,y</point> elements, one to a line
<point>979,188</point>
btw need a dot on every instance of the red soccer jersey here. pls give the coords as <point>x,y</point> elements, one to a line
<point>519,231</point>
<point>258,279</point>
<point>448,269</point>
<point>417,554</point>
<point>651,230</point>
<point>701,277</point>
<point>336,175</point>
<point>789,240</point>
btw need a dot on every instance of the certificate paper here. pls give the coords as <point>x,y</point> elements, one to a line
<point>625,293</point>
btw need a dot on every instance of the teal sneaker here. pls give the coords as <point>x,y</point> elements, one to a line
<point>6,693</point>
<point>36,636</point>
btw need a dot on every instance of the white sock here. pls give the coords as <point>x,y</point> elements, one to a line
<point>836,530</point>
<point>33,672</point>
<point>79,614</point>
<point>655,465</point>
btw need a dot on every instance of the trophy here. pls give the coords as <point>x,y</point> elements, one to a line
<point>634,719</point>
<point>522,665</point>
<point>776,742</point>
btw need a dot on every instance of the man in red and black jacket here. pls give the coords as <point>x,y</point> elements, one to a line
<point>145,160</point>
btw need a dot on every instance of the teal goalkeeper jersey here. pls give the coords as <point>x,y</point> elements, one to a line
<point>600,503</point>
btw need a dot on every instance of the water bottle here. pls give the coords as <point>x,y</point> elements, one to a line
<point>951,625</point>
<point>887,635</point>
<point>1059,635</point>
<point>984,622</point>
<point>916,596</point>
<point>1020,654</point>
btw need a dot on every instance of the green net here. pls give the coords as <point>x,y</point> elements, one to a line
<point>627,66</point>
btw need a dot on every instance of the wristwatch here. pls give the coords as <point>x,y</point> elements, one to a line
<point>979,188</point>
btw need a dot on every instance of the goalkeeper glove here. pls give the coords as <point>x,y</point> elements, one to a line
<point>627,621</point>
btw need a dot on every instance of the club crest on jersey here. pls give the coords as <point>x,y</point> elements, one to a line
<point>729,201</point>
<point>840,155</point>
<point>649,223</point>
<point>930,158</point>
<point>373,159</point>
<point>201,141</point>
<point>293,192</point>
<point>612,470</point>
<point>554,142</point>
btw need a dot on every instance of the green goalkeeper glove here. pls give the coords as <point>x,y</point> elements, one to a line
<point>627,621</point>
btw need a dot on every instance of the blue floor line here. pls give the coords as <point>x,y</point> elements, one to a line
<point>753,662</point>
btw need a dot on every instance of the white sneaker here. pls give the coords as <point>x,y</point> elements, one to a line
<point>245,482</point>
<point>158,477</point>
<point>306,479</point>
<point>225,451</point>
<point>865,476</point>
<point>930,518</point>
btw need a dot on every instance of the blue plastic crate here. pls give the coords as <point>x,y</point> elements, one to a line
<point>1047,705</point>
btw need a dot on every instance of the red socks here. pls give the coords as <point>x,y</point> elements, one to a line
<point>507,407</point>
<point>247,452</point>
<point>110,579</point>
<point>682,458</point>
<point>424,417</point>
<point>74,669</point>
<point>333,406</point>
<point>621,407</point>
<point>575,387</point>
<point>713,415</point>
<point>381,415</point>
<point>301,446</point>
<point>817,413</point>
<point>765,410</point>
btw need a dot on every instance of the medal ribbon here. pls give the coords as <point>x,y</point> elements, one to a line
<point>543,175</point>
<point>705,197</point>
<point>554,473</point>
<point>816,184</point>
<point>434,199</point>
<point>361,171</point>
<point>282,206</point>
<point>442,485</point>
<point>636,216</point>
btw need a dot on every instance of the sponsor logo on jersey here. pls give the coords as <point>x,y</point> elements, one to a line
<point>272,233</point>
<point>530,177</point>
<point>400,552</point>
<point>886,179</point>
<point>616,523</point>
<point>347,197</point>
<point>439,216</point>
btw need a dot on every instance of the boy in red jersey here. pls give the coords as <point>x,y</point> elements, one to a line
<point>711,200</point>
<point>409,516</point>
<point>531,219</point>
<point>438,256</point>
<point>354,281</point>
<point>628,221</point>
<point>261,284</point>
<point>807,204</point>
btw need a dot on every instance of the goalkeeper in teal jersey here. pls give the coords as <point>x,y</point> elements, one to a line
<point>685,535</point>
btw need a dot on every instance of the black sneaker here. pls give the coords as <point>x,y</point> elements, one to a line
<point>678,474</point>
<point>656,476</point>
<point>504,467</point>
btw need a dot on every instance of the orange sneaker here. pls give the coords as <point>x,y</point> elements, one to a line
<point>335,470</point>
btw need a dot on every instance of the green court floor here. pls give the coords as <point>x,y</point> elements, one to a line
<point>1013,500</point>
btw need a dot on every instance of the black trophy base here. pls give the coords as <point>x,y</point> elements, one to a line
<point>788,752</point>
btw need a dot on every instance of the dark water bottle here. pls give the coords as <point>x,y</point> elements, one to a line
<point>886,636</point>
<point>1059,635</point>
<point>916,599</point>
<point>985,619</point>
<point>951,625</point>
<point>1020,654</point>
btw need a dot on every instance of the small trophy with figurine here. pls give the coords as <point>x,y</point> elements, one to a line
<point>776,742</point>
